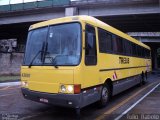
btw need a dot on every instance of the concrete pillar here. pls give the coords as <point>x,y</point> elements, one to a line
<point>154,58</point>
<point>71,11</point>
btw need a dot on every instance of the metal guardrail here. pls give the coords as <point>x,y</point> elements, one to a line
<point>33,5</point>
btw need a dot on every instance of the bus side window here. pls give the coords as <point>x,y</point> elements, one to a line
<point>105,41</point>
<point>90,46</point>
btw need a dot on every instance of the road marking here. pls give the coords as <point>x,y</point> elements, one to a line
<point>9,88</point>
<point>5,88</point>
<point>7,95</point>
<point>35,115</point>
<point>120,116</point>
<point>123,102</point>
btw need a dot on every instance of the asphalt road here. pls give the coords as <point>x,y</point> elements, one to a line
<point>14,106</point>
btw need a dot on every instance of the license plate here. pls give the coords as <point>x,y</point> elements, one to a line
<point>43,100</point>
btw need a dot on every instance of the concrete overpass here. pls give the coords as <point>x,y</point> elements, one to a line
<point>152,39</point>
<point>103,9</point>
<point>126,15</point>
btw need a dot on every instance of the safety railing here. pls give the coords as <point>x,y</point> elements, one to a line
<point>16,5</point>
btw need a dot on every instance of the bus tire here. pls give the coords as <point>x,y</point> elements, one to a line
<point>105,95</point>
<point>146,76</point>
<point>143,79</point>
<point>78,113</point>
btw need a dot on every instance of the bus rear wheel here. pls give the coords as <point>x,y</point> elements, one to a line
<point>143,78</point>
<point>105,94</point>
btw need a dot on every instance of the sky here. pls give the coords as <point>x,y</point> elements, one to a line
<point>6,2</point>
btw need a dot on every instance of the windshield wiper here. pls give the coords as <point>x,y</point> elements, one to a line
<point>40,51</point>
<point>35,58</point>
<point>47,53</point>
<point>52,60</point>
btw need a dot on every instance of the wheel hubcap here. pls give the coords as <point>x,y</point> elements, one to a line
<point>105,94</point>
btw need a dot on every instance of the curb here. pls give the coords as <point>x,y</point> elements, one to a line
<point>6,81</point>
<point>10,84</point>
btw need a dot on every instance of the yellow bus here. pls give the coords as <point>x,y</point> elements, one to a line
<point>78,60</point>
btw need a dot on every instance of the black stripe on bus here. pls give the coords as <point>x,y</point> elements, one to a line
<point>101,70</point>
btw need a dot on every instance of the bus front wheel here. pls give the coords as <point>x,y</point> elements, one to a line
<point>104,95</point>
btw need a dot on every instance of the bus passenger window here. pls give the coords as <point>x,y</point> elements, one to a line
<point>120,45</point>
<point>90,46</point>
<point>105,41</point>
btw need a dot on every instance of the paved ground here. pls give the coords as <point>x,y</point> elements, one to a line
<point>148,108</point>
<point>14,106</point>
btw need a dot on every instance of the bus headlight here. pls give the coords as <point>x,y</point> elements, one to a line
<point>24,84</point>
<point>72,89</point>
<point>63,88</point>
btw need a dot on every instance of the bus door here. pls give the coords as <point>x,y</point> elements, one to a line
<point>91,69</point>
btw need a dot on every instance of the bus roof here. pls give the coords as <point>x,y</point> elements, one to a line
<point>90,20</point>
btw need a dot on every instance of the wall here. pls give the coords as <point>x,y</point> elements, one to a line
<point>10,63</point>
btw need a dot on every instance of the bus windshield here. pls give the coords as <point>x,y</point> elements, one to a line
<point>54,45</point>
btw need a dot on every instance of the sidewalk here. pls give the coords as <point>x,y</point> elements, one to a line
<point>3,84</point>
<point>6,80</point>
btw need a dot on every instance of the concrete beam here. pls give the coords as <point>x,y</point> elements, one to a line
<point>147,37</point>
<point>112,2</point>
<point>92,10</point>
<point>31,17</point>
<point>119,10</point>
<point>150,40</point>
<point>144,34</point>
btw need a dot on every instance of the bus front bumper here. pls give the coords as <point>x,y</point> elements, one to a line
<point>66,100</point>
